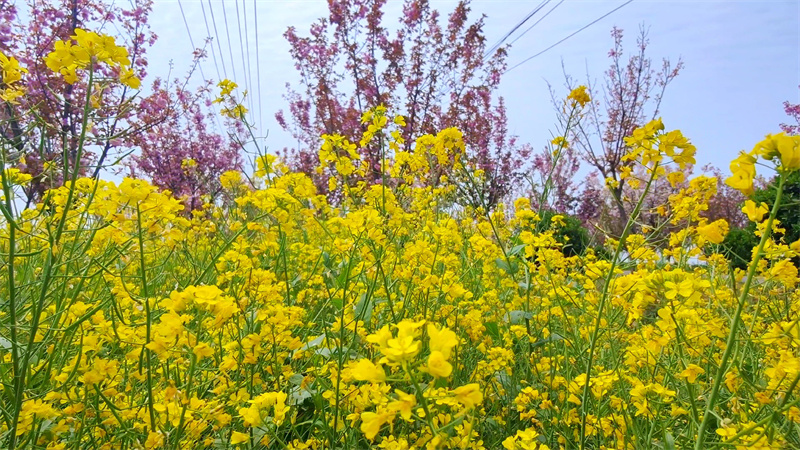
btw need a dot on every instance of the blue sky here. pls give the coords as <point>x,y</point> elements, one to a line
<point>742,58</point>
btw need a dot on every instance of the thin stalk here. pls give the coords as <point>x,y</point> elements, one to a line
<point>340,357</point>
<point>604,299</point>
<point>185,405</point>
<point>556,158</point>
<point>12,301</point>
<point>729,344</point>
<point>148,324</point>
<point>21,380</point>
<point>424,401</point>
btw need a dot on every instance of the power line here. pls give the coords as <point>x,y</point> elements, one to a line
<point>244,65</point>
<point>258,70</point>
<point>573,34</point>
<point>208,33</point>
<point>247,45</point>
<point>516,27</point>
<point>199,66</point>
<point>191,41</point>
<point>228,33</point>
<point>216,35</point>
<point>537,22</point>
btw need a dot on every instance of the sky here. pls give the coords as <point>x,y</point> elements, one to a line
<point>742,58</point>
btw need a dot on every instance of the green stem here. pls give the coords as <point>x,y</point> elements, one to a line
<point>148,323</point>
<point>21,380</point>
<point>424,401</point>
<point>340,357</point>
<point>188,401</point>
<point>559,151</point>
<point>604,298</point>
<point>12,245</point>
<point>729,345</point>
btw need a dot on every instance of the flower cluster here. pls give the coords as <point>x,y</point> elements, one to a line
<point>234,109</point>
<point>87,49</point>
<point>394,68</point>
<point>11,73</point>
<point>391,318</point>
<point>781,149</point>
<point>579,96</point>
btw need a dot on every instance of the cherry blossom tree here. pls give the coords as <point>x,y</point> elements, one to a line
<point>435,71</point>
<point>179,148</point>
<point>793,111</point>
<point>165,129</point>
<point>29,37</point>
<point>630,95</point>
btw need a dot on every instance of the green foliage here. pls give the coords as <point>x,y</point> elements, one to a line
<point>602,252</point>
<point>738,246</point>
<point>739,243</point>
<point>789,211</point>
<point>573,234</point>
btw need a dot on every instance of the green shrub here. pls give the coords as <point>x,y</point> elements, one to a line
<point>739,243</point>
<point>738,246</point>
<point>789,211</point>
<point>573,235</point>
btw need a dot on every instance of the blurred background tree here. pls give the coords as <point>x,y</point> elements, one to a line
<point>163,126</point>
<point>435,71</point>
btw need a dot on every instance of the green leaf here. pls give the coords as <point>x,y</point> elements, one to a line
<point>492,329</point>
<point>364,309</point>
<point>552,338</point>
<point>516,249</point>
<point>669,441</point>
<point>517,317</point>
<point>298,396</point>
<point>296,379</point>
<point>503,264</point>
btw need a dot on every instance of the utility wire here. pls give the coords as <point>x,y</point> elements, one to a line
<point>244,65</point>
<point>522,22</point>
<point>573,34</point>
<point>199,66</point>
<point>208,33</point>
<point>191,41</point>
<point>216,35</point>
<point>230,48</point>
<point>537,22</point>
<point>516,27</point>
<point>247,45</point>
<point>258,70</point>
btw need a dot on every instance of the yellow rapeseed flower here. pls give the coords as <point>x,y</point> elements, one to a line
<point>238,438</point>
<point>755,212</point>
<point>365,370</point>
<point>715,231</point>
<point>580,96</point>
